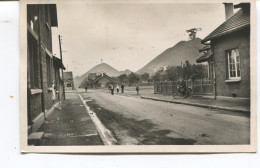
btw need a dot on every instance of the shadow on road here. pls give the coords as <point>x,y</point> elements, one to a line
<point>142,131</point>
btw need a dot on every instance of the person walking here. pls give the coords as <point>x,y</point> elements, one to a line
<point>112,89</point>
<point>137,89</point>
<point>122,88</point>
<point>117,88</point>
<point>86,88</point>
<point>53,91</point>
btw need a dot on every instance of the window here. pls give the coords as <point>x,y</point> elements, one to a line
<point>233,61</point>
<point>33,17</point>
<point>68,85</point>
<point>33,64</point>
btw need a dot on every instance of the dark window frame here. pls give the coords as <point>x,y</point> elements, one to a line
<point>233,64</point>
<point>33,63</point>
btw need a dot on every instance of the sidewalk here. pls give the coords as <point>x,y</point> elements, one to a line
<point>230,104</point>
<point>70,124</point>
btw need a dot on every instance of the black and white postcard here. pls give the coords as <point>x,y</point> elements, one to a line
<point>137,76</point>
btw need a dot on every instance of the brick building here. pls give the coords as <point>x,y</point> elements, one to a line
<point>42,67</point>
<point>229,53</point>
<point>68,80</point>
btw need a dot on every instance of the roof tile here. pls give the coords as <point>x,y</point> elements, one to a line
<point>236,22</point>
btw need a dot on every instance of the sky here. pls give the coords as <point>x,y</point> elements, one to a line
<point>127,36</point>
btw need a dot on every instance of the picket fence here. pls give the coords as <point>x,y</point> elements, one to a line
<point>197,87</point>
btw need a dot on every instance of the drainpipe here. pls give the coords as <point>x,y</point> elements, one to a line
<point>214,66</point>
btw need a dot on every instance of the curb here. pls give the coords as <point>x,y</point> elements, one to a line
<point>104,133</point>
<point>198,105</point>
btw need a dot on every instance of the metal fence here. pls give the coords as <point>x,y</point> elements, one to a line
<point>197,87</point>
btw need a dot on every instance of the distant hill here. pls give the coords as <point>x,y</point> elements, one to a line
<point>127,72</point>
<point>103,67</point>
<point>182,51</point>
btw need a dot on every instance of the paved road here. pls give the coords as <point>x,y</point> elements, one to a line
<point>138,121</point>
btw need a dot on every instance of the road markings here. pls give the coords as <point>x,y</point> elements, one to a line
<point>104,133</point>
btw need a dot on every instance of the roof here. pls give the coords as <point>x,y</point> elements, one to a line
<point>102,76</point>
<point>204,57</point>
<point>236,22</point>
<point>205,48</point>
<point>91,76</point>
<point>57,62</point>
<point>67,75</point>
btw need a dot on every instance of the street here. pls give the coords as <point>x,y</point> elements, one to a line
<point>136,121</point>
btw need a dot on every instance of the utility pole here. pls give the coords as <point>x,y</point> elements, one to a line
<point>62,69</point>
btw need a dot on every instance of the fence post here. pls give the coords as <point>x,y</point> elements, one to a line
<point>163,90</point>
<point>214,88</point>
<point>160,87</point>
<point>187,86</point>
<point>166,88</point>
<point>191,81</point>
<point>172,87</point>
<point>202,87</point>
<point>154,92</point>
<point>157,87</point>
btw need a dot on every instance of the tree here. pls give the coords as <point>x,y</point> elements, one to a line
<point>184,72</point>
<point>199,71</point>
<point>133,78</point>
<point>187,70</point>
<point>84,83</point>
<point>122,78</point>
<point>145,76</point>
<point>156,77</point>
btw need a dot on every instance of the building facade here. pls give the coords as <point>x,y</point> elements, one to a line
<point>102,81</point>
<point>229,54</point>
<point>68,80</point>
<point>42,70</point>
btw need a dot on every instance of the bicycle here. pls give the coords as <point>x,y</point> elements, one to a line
<point>181,90</point>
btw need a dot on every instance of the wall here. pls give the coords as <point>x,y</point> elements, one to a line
<point>45,38</point>
<point>40,102</point>
<point>240,40</point>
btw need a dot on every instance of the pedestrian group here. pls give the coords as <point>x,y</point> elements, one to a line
<point>111,88</point>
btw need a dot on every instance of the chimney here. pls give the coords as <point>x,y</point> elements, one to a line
<point>229,10</point>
